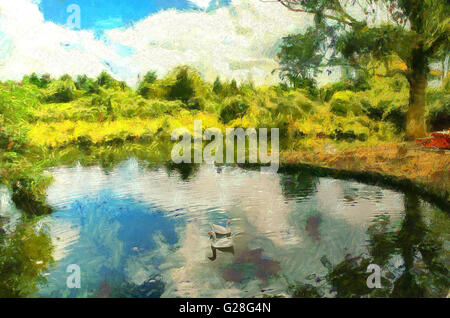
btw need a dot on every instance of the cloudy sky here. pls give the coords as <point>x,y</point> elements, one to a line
<point>234,38</point>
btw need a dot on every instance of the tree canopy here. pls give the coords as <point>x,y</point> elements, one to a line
<point>416,31</point>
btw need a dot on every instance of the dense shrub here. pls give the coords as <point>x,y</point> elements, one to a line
<point>160,107</point>
<point>342,103</point>
<point>438,115</point>
<point>373,111</point>
<point>147,87</point>
<point>234,108</point>
<point>150,78</point>
<point>61,91</point>
<point>226,89</point>
<point>88,85</point>
<point>327,91</point>
<point>40,81</point>
<point>396,116</point>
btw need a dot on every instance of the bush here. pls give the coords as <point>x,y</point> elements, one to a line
<point>230,89</point>
<point>61,91</point>
<point>161,107</point>
<point>34,79</point>
<point>303,103</point>
<point>326,92</point>
<point>88,85</point>
<point>344,102</point>
<point>396,116</point>
<point>196,103</point>
<point>438,115</point>
<point>234,108</point>
<point>147,87</point>
<point>375,112</point>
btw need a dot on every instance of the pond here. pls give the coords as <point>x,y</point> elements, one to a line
<point>140,231</point>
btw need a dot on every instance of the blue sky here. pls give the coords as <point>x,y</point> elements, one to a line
<point>100,15</point>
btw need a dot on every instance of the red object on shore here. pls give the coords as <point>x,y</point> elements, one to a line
<point>440,139</point>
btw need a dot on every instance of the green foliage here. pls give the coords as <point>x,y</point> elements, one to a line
<point>88,85</point>
<point>415,31</point>
<point>217,86</point>
<point>235,107</point>
<point>438,115</point>
<point>16,103</point>
<point>39,81</point>
<point>183,88</point>
<point>342,103</point>
<point>150,77</point>
<point>25,256</point>
<point>226,89</point>
<point>147,87</point>
<point>107,81</point>
<point>186,85</point>
<point>327,91</point>
<point>301,56</point>
<point>304,291</point>
<point>60,91</point>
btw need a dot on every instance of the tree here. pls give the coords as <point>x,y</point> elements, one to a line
<point>183,88</point>
<point>150,77</point>
<point>106,80</point>
<point>217,87</point>
<point>301,56</point>
<point>413,30</point>
<point>145,87</point>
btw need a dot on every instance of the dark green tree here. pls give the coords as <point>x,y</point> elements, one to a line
<point>301,56</point>
<point>150,77</point>
<point>183,89</point>
<point>144,88</point>
<point>217,87</point>
<point>106,80</point>
<point>87,84</point>
<point>414,30</point>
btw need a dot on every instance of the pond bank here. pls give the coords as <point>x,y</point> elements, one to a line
<point>400,164</point>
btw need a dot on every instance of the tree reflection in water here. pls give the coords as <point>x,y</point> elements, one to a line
<point>25,256</point>
<point>412,257</point>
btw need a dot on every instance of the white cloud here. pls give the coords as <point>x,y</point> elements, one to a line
<point>200,3</point>
<point>239,41</point>
<point>33,45</point>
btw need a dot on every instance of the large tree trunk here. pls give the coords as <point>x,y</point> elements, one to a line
<point>415,119</point>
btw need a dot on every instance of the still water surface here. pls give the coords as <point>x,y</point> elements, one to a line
<point>140,232</point>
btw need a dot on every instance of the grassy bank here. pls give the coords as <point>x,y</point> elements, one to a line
<point>426,168</point>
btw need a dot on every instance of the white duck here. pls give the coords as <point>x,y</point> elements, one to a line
<point>217,229</point>
<point>225,242</point>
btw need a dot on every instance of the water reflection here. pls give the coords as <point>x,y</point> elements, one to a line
<point>411,254</point>
<point>137,231</point>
